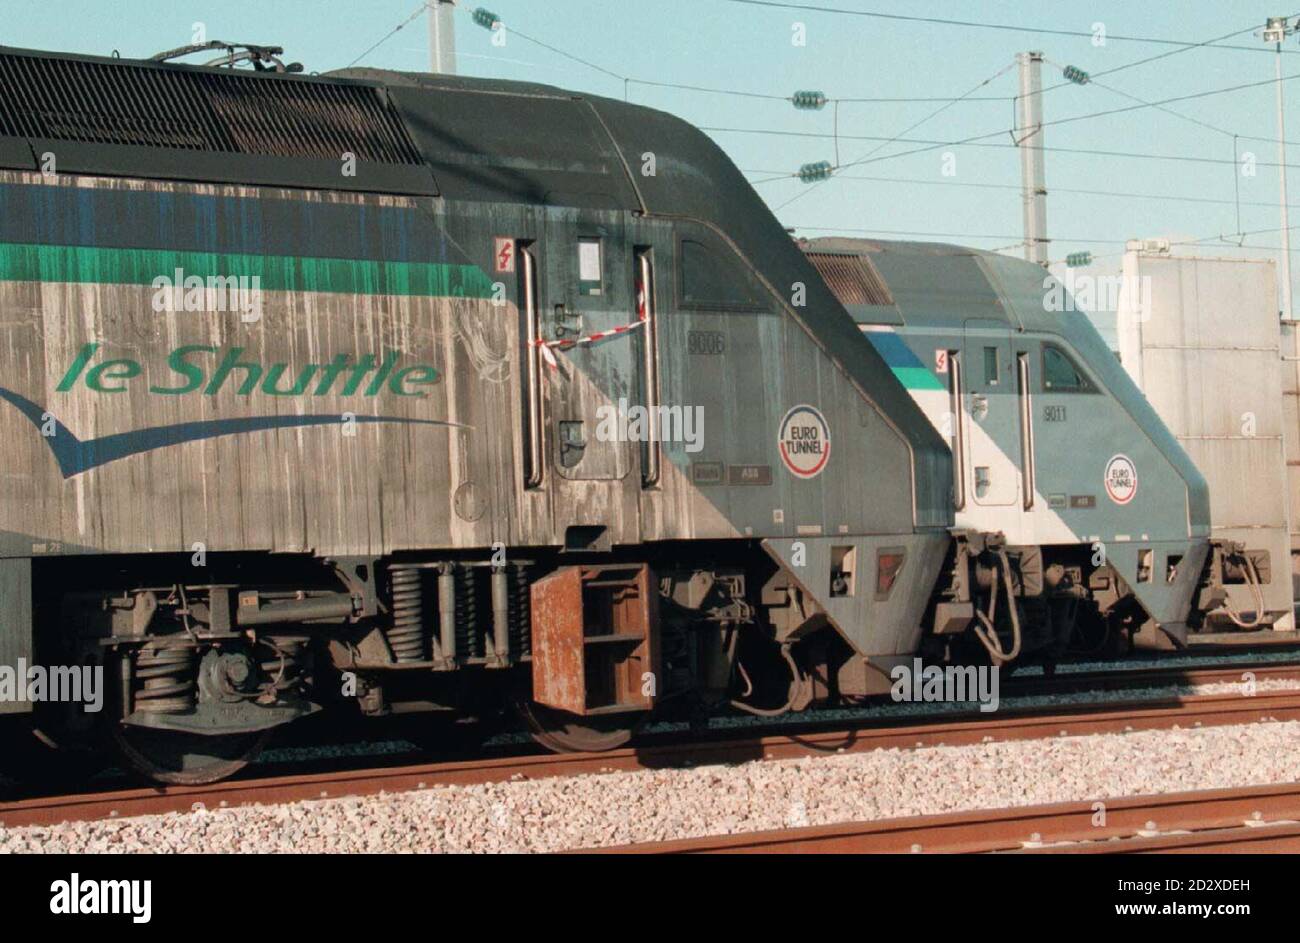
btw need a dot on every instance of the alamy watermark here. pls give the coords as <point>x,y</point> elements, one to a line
<point>1093,293</point>
<point>949,684</point>
<point>78,896</point>
<point>32,684</point>
<point>624,423</point>
<point>179,292</point>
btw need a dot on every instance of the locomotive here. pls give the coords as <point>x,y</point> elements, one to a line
<point>1104,518</point>
<point>383,394</point>
<point>421,396</point>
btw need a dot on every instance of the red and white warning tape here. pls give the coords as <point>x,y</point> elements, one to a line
<point>549,347</point>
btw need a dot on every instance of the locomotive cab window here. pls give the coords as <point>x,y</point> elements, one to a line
<point>710,281</point>
<point>1060,375</point>
<point>590,267</point>
<point>991,366</point>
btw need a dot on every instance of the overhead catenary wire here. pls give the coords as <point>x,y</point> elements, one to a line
<point>391,33</point>
<point>1095,114</point>
<point>1092,80</point>
<point>1140,104</point>
<point>853,99</point>
<point>702,89</point>
<point>1095,152</point>
<point>942,235</point>
<point>1236,184</point>
<point>1219,240</point>
<point>1163,55</point>
<point>938,111</point>
<point>1008,27</point>
<point>1232,241</point>
<point>1170,197</point>
<point>1160,106</point>
<point>869,158</point>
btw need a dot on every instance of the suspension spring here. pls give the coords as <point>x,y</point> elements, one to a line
<point>469,635</point>
<point>167,678</point>
<point>406,637</point>
<point>521,640</point>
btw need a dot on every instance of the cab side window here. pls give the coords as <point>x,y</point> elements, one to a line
<point>712,282</point>
<point>1060,375</point>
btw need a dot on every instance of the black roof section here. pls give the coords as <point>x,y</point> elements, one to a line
<point>510,142</point>
<point>120,117</point>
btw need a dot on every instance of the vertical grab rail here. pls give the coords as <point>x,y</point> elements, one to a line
<point>956,408</point>
<point>532,361</point>
<point>645,304</point>
<point>1026,431</point>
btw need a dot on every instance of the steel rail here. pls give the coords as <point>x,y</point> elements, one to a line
<point>724,747</point>
<point>1120,679</point>
<point>1254,818</point>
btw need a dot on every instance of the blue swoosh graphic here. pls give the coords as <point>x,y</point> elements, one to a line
<point>76,456</point>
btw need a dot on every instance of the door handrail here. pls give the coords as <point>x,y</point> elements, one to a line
<point>957,409</point>
<point>1026,430</point>
<point>650,367</point>
<point>532,361</point>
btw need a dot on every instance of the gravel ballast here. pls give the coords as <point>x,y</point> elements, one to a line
<point>620,808</point>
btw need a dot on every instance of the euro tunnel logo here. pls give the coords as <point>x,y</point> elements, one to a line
<point>1121,479</point>
<point>804,442</point>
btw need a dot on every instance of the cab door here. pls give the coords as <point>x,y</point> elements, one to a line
<point>588,292</point>
<point>991,420</point>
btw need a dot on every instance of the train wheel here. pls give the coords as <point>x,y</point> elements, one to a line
<point>563,732</point>
<point>187,759</point>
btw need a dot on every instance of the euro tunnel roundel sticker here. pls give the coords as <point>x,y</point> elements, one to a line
<point>804,442</point>
<point>1121,479</point>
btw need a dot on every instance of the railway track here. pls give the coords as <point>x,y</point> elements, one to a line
<point>1121,679</point>
<point>1254,819</point>
<point>721,747</point>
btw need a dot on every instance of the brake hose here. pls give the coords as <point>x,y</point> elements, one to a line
<point>986,633</point>
<point>1252,580</point>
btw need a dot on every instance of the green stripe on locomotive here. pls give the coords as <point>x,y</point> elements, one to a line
<point>99,265</point>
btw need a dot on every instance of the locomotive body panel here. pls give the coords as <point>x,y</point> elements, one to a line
<point>373,405</point>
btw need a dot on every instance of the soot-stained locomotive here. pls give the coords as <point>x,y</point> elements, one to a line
<point>404,469</point>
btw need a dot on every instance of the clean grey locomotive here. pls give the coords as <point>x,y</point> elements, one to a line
<point>424,396</point>
<point>1055,449</point>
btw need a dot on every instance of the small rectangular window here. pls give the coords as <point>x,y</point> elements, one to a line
<point>990,366</point>
<point>589,267</point>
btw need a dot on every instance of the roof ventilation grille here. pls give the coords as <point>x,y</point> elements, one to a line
<point>852,278</point>
<point>219,111</point>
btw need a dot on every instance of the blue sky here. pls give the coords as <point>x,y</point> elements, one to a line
<point>722,44</point>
